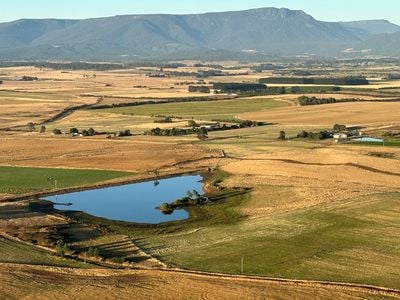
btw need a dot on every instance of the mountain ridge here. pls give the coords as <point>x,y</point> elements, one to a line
<point>267,31</point>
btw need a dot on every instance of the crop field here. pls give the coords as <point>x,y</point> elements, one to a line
<point>20,108</point>
<point>18,180</point>
<point>225,109</point>
<point>139,155</point>
<point>362,113</point>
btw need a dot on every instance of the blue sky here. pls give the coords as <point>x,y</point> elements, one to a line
<point>327,10</point>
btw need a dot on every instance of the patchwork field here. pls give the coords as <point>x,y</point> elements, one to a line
<point>293,208</point>
<point>225,110</point>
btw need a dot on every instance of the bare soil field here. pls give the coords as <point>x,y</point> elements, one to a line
<point>354,113</point>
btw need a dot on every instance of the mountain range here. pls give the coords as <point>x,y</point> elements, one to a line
<point>264,31</point>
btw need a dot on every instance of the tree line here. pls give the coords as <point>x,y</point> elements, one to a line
<point>305,100</point>
<point>322,81</point>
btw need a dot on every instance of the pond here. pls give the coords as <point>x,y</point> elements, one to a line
<point>132,202</point>
<point>368,140</point>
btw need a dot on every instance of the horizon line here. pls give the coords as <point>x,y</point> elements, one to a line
<point>186,14</point>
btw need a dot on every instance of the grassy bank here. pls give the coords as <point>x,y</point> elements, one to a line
<point>352,241</point>
<point>18,180</point>
<point>16,252</point>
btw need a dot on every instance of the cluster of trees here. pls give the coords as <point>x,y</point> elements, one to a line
<point>75,131</point>
<point>29,78</point>
<point>201,131</point>
<point>124,133</point>
<point>249,123</point>
<point>339,127</point>
<point>213,66</point>
<point>324,81</point>
<point>199,89</point>
<point>176,131</point>
<point>268,91</point>
<point>192,198</point>
<point>239,87</point>
<point>88,132</point>
<point>32,127</point>
<point>321,135</point>
<point>200,81</point>
<point>298,90</point>
<point>304,100</point>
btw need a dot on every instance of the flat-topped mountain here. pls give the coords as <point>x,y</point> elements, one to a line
<point>270,31</point>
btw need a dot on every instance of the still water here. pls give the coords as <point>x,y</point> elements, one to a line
<point>132,202</point>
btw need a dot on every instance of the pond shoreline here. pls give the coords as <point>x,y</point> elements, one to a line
<point>114,183</point>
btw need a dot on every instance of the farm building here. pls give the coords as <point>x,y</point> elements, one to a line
<point>340,137</point>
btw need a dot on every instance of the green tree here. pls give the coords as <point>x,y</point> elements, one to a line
<point>57,131</point>
<point>74,131</point>
<point>61,248</point>
<point>31,126</point>
<point>282,135</point>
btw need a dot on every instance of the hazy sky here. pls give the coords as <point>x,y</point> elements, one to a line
<point>327,10</point>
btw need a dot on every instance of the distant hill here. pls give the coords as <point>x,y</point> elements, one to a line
<point>382,44</point>
<point>24,32</point>
<point>370,27</point>
<point>256,32</point>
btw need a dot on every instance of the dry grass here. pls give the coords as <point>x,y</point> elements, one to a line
<point>130,154</point>
<point>361,113</point>
<point>19,108</point>
<point>33,282</point>
<point>110,122</point>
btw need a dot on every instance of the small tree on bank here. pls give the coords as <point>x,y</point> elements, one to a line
<point>282,135</point>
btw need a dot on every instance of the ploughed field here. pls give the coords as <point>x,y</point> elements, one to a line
<point>314,210</point>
